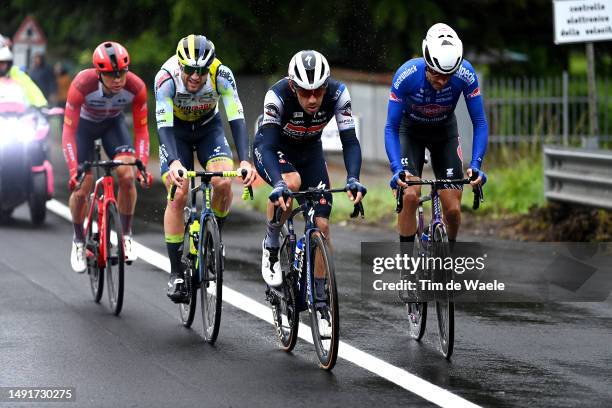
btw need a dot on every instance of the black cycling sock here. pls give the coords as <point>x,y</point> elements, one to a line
<point>451,243</point>
<point>126,223</point>
<point>175,252</point>
<point>79,233</point>
<point>407,238</point>
<point>273,235</point>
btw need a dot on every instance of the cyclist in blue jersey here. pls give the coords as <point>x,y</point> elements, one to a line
<point>420,115</point>
<point>288,151</point>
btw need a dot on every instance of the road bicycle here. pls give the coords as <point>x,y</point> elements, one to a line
<point>297,293</point>
<point>103,231</point>
<point>431,241</point>
<point>203,253</point>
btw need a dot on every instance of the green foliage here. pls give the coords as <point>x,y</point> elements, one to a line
<point>514,185</point>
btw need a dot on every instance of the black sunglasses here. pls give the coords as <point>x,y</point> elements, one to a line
<point>189,70</point>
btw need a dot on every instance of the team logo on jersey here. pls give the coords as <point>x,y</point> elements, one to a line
<point>411,70</point>
<point>346,109</point>
<point>474,93</point>
<point>466,75</point>
<point>432,110</point>
<point>323,201</point>
<point>450,173</point>
<point>393,97</point>
<point>303,131</point>
<point>272,110</point>
<point>166,76</point>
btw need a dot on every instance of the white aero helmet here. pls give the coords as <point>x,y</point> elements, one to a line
<point>442,49</point>
<point>309,69</point>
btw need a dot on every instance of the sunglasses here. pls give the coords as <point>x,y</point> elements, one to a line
<point>437,74</point>
<point>306,93</point>
<point>201,71</point>
<point>115,74</point>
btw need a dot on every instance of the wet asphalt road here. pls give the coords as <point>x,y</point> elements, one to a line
<point>53,334</point>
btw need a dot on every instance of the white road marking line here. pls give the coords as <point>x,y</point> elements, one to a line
<point>396,375</point>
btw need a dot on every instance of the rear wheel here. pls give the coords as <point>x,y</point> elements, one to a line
<point>211,270</point>
<point>187,310</point>
<point>445,307</point>
<point>92,249</point>
<point>324,316</point>
<point>285,313</point>
<point>115,259</point>
<point>38,198</point>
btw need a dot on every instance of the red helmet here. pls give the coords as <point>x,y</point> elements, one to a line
<point>110,56</point>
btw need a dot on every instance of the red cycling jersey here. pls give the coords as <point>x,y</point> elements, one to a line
<point>86,100</point>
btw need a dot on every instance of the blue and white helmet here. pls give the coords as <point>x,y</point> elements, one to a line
<point>309,69</point>
<point>442,49</point>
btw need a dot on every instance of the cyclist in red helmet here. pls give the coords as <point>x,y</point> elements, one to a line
<point>96,99</point>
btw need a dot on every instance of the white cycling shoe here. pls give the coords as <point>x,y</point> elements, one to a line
<point>130,253</point>
<point>270,266</point>
<point>78,259</point>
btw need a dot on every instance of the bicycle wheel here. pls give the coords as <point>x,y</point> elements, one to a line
<point>187,310</point>
<point>285,313</point>
<point>115,259</point>
<point>417,311</point>
<point>92,249</point>
<point>324,320</point>
<point>445,307</point>
<point>209,260</point>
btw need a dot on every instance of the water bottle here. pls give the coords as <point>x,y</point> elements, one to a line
<point>425,235</point>
<point>194,230</point>
<point>299,247</point>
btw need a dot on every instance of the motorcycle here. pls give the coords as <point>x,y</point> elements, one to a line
<point>26,174</point>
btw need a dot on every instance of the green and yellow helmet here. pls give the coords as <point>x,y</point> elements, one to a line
<point>195,51</point>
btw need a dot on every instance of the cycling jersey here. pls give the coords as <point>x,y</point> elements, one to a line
<point>286,126</point>
<point>32,92</point>
<point>87,101</point>
<point>412,97</point>
<point>175,104</point>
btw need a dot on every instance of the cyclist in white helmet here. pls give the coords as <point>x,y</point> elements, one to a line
<point>287,148</point>
<point>422,101</point>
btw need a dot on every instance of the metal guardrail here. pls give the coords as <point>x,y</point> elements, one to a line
<point>578,176</point>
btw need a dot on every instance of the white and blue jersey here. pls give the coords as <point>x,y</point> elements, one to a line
<point>414,99</point>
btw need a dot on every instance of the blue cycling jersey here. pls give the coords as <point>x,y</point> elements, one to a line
<point>413,97</point>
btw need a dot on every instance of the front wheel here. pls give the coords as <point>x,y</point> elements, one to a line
<point>115,259</point>
<point>211,271</point>
<point>445,307</point>
<point>324,316</point>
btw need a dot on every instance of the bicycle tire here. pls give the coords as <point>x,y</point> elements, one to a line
<point>326,346</point>
<point>417,311</point>
<point>115,259</point>
<point>92,246</point>
<point>445,307</point>
<point>211,289</point>
<point>285,315</point>
<point>187,310</point>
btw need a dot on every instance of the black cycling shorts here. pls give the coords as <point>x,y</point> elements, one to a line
<point>308,161</point>
<point>443,144</point>
<point>113,132</point>
<point>207,141</point>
